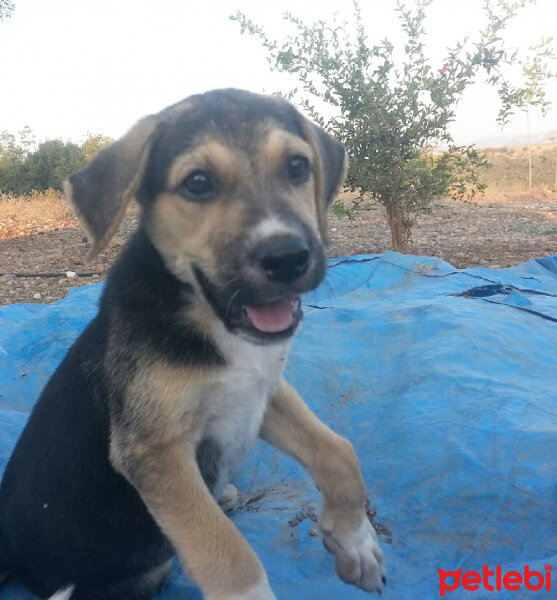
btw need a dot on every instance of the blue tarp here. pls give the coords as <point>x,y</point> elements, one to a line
<point>445,380</point>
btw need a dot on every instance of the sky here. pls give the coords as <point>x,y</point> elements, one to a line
<point>69,67</point>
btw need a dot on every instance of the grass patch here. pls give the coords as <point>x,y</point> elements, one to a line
<point>37,206</point>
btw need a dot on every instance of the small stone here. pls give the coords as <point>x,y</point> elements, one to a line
<point>37,296</point>
<point>313,532</point>
<point>118,241</point>
<point>71,274</point>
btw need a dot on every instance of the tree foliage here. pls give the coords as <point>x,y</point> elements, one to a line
<point>393,115</point>
<point>26,165</point>
<point>6,9</point>
<point>93,143</point>
<point>12,157</point>
<point>51,163</point>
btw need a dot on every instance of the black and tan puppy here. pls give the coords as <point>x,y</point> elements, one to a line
<point>144,423</point>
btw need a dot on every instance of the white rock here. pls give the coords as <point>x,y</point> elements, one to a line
<point>37,296</point>
<point>71,274</point>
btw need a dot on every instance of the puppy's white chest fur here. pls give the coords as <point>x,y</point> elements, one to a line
<point>234,405</point>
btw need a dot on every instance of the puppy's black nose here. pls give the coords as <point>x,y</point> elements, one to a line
<point>283,258</point>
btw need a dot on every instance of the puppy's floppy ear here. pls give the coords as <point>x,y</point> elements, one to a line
<point>331,165</point>
<point>100,192</point>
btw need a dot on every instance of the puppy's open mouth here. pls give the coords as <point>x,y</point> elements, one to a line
<point>264,319</point>
<point>279,316</point>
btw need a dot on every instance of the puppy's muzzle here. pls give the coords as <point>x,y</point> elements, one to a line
<point>283,259</point>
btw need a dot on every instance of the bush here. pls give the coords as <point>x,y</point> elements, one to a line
<point>24,167</point>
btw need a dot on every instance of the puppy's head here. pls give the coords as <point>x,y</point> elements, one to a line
<point>231,185</point>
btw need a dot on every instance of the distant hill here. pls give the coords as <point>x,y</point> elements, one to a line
<point>509,168</point>
<point>518,140</point>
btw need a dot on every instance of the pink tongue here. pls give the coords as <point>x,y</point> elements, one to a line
<point>273,317</point>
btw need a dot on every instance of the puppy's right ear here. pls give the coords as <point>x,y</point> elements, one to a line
<point>331,165</point>
<point>100,192</point>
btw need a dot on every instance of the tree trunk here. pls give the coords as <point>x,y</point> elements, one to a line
<point>400,234</point>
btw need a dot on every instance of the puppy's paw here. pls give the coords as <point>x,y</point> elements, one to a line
<point>230,498</point>
<point>358,557</point>
<point>64,594</point>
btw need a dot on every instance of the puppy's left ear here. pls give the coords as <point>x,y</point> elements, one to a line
<point>330,167</point>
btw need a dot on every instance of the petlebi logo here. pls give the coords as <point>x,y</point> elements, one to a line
<point>495,580</point>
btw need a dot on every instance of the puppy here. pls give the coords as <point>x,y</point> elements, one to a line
<point>144,423</point>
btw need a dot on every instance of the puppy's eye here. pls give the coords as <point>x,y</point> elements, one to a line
<point>298,168</point>
<point>198,183</point>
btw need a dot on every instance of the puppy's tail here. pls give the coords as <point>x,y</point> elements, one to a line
<point>64,594</point>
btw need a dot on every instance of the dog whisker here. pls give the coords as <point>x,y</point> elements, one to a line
<point>229,305</point>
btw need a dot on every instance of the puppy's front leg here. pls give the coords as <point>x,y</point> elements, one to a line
<point>330,459</point>
<point>166,475</point>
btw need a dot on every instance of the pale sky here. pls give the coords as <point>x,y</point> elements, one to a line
<point>69,67</point>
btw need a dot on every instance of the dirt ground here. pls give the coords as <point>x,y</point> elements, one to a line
<point>41,260</point>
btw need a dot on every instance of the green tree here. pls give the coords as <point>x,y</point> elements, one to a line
<point>6,9</point>
<point>12,159</point>
<point>24,166</point>
<point>27,140</point>
<point>392,115</point>
<point>51,164</point>
<point>93,143</point>
<point>536,70</point>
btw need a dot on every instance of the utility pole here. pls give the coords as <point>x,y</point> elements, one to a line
<point>529,153</point>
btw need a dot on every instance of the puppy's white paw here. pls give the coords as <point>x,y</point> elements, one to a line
<point>358,557</point>
<point>230,498</point>
<point>64,594</point>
